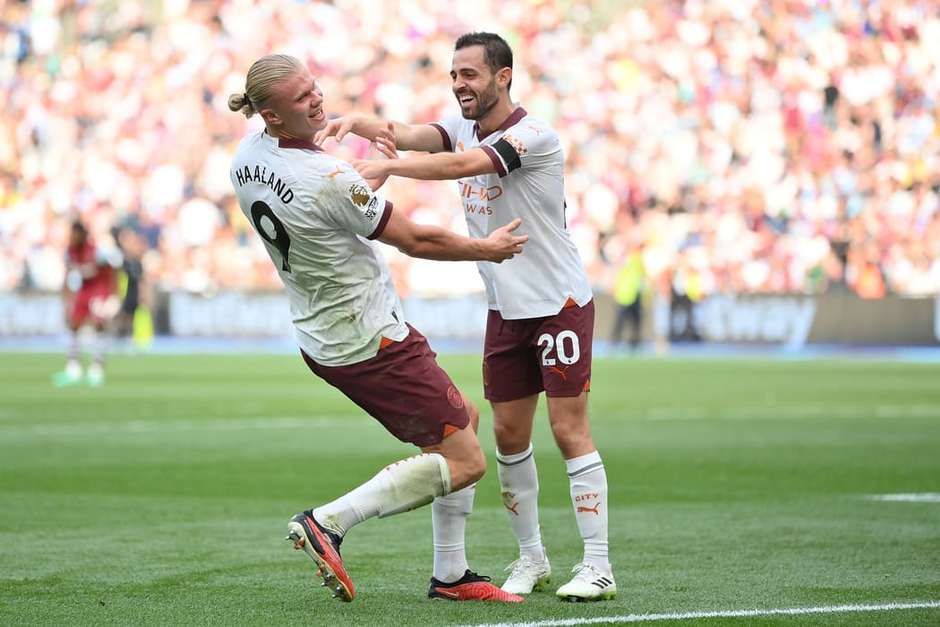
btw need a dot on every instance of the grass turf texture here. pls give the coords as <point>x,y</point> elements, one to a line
<point>163,497</point>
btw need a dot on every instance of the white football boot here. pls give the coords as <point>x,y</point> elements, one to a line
<point>588,584</point>
<point>95,375</point>
<point>72,375</point>
<point>527,575</point>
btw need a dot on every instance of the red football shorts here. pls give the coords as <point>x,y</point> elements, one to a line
<point>525,357</point>
<point>404,388</point>
<point>95,305</point>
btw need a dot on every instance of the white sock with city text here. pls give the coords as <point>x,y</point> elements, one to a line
<point>589,497</point>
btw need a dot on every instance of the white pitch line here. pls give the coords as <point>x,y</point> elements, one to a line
<point>787,611</point>
<point>916,497</point>
<point>175,426</point>
<point>786,412</point>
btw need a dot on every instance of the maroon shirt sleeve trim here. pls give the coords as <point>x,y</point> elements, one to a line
<point>383,221</point>
<point>497,162</point>
<point>444,136</point>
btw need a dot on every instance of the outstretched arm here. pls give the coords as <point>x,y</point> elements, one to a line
<point>439,167</point>
<point>423,137</point>
<point>433,242</point>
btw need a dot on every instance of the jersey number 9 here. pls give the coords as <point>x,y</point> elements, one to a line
<point>271,230</point>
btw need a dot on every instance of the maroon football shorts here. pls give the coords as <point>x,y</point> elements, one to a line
<point>525,357</point>
<point>89,305</point>
<point>404,388</point>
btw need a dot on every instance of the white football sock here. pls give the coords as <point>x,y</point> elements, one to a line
<point>399,487</point>
<point>73,365</point>
<point>98,344</point>
<point>589,498</point>
<point>519,484</point>
<point>449,522</point>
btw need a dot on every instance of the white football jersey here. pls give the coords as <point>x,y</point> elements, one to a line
<point>529,184</point>
<point>316,214</point>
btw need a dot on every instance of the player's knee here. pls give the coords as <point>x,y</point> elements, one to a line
<point>571,437</point>
<point>476,466</point>
<point>469,469</point>
<point>510,437</point>
<point>465,458</point>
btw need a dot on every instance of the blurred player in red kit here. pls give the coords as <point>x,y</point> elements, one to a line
<point>90,300</point>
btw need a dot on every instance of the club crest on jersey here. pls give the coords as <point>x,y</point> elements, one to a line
<point>359,194</point>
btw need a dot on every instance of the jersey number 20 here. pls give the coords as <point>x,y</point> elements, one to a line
<point>271,230</point>
<point>566,354</point>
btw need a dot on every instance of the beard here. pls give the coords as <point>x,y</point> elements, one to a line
<point>485,101</point>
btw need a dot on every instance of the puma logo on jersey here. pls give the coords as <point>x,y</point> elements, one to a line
<point>335,172</point>
<point>582,508</point>
<point>561,372</point>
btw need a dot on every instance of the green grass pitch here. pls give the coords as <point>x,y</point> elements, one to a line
<point>162,497</point>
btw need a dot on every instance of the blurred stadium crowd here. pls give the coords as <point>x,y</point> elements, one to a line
<point>772,146</point>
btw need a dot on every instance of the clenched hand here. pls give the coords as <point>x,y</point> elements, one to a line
<point>502,244</point>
